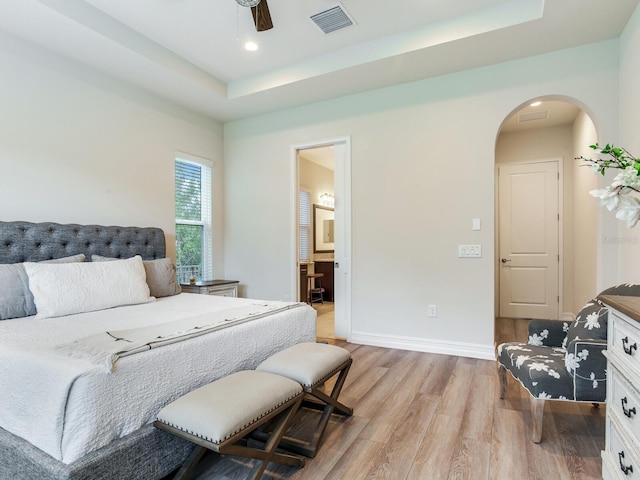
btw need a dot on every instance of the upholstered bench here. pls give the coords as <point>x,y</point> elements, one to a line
<point>311,365</point>
<point>220,415</point>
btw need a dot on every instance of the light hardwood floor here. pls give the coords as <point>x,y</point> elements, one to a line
<point>429,417</point>
<point>325,322</point>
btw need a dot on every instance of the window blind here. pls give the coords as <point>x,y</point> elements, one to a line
<point>188,191</point>
<point>193,199</point>
<point>304,221</point>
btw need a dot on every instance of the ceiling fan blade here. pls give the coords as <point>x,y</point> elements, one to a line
<point>261,16</point>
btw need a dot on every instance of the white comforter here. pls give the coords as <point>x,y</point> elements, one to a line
<point>68,407</point>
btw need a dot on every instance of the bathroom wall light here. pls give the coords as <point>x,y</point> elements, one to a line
<point>327,200</point>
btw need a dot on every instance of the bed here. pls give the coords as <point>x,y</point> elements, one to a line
<point>66,415</point>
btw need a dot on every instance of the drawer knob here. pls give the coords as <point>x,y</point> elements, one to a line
<point>628,349</point>
<point>626,469</point>
<point>628,412</point>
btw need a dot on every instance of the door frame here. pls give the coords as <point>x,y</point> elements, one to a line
<point>562,315</point>
<point>343,301</point>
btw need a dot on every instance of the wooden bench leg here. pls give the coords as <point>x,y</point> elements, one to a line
<point>335,392</point>
<point>236,444</point>
<point>190,463</point>
<point>269,454</point>
<point>332,406</point>
<point>329,405</point>
<point>537,411</point>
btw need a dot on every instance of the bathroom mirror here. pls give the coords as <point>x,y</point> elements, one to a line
<point>323,229</point>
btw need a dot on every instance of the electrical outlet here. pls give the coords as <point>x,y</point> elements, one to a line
<point>469,251</point>
<point>432,311</point>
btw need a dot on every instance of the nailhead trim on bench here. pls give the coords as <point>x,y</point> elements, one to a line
<point>327,376</point>
<point>217,442</point>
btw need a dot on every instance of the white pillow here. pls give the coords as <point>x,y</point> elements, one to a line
<point>16,300</point>
<point>161,275</point>
<point>65,288</point>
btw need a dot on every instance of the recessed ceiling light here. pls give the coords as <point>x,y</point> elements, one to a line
<point>251,46</point>
<point>536,104</point>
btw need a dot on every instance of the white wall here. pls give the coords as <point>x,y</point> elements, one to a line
<point>629,240</point>
<point>78,147</point>
<point>422,168</point>
<point>585,218</point>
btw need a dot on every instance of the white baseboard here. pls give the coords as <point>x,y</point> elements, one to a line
<point>568,316</point>
<point>460,349</point>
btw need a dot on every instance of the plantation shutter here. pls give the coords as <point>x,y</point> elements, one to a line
<point>304,200</point>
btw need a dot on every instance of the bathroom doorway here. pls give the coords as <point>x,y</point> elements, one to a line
<point>323,229</point>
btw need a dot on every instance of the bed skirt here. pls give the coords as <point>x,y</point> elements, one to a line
<point>146,454</point>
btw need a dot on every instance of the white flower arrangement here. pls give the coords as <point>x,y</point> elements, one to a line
<point>620,195</point>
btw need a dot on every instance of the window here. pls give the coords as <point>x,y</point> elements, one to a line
<point>193,218</point>
<point>304,221</point>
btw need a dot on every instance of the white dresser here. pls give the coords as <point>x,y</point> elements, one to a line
<point>621,457</point>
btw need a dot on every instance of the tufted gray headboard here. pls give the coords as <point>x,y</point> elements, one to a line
<point>34,242</point>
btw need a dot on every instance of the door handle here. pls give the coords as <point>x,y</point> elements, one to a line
<point>505,260</point>
<point>337,265</point>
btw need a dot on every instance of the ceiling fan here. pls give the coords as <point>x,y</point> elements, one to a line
<point>260,12</point>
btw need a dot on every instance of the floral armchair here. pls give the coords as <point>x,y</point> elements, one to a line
<point>562,360</point>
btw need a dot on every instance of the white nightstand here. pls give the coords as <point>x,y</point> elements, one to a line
<point>223,288</point>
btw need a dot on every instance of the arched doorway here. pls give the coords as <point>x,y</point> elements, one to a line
<point>551,132</point>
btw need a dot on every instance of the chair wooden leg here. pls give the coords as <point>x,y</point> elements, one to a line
<point>537,411</point>
<point>502,373</point>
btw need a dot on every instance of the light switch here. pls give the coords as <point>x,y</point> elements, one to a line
<point>469,251</point>
<point>475,224</point>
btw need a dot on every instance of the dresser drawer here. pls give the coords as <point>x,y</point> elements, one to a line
<point>619,456</point>
<point>624,403</point>
<point>624,342</point>
<point>221,288</point>
<point>224,292</point>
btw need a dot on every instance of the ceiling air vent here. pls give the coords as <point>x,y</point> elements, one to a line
<point>332,19</point>
<point>531,116</point>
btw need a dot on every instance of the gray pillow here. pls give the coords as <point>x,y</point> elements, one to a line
<point>16,300</point>
<point>161,275</point>
<point>70,259</point>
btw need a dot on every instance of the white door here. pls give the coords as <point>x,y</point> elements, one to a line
<point>529,239</point>
<point>342,234</point>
